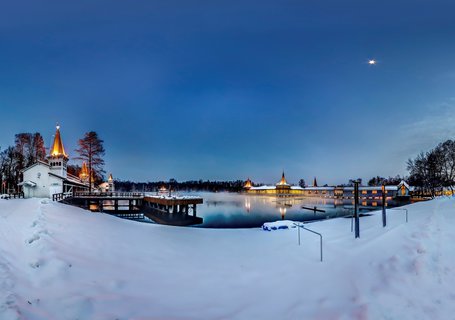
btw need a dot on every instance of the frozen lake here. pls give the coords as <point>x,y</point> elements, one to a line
<point>236,210</point>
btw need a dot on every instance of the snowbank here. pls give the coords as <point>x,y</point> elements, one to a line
<point>278,225</point>
<point>61,262</point>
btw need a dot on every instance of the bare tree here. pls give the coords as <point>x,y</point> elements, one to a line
<point>91,150</point>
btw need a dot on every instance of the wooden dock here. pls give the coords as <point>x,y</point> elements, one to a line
<point>170,210</point>
<point>315,209</point>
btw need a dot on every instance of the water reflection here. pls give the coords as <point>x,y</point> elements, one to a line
<point>231,210</point>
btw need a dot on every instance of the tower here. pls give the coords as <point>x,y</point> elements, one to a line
<point>57,157</point>
<point>110,182</point>
<point>248,184</point>
<point>84,173</point>
<point>283,187</point>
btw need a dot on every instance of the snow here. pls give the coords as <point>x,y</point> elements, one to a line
<point>61,262</point>
<point>172,197</point>
<point>278,225</point>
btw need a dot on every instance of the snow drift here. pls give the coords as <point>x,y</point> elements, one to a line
<point>61,262</point>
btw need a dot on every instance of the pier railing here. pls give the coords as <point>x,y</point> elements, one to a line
<point>126,195</point>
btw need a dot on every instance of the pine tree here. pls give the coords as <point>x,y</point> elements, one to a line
<point>91,150</point>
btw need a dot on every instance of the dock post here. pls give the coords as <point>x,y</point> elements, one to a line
<point>384,217</point>
<point>356,209</point>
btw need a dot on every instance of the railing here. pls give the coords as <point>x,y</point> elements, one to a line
<point>402,209</point>
<point>317,233</point>
<point>108,194</point>
<point>13,195</point>
<point>59,196</point>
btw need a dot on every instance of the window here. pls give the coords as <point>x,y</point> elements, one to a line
<point>374,191</point>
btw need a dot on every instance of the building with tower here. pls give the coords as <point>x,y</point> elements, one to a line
<point>43,179</point>
<point>107,186</point>
<point>282,188</point>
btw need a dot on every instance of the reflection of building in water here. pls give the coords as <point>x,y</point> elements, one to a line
<point>284,189</point>
<point>247,205</point>
<point>282,212</point>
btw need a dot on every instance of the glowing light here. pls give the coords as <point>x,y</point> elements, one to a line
<point>372,62</point>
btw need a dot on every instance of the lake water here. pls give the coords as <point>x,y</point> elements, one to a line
<point>233,210</point>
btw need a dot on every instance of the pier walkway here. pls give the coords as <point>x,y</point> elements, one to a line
<point>170,210</point>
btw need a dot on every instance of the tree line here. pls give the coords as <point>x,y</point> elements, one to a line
<point>433,171</point>
<point>174,185</point>
<point>27,149</point>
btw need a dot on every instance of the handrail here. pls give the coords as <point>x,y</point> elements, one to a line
<point>401,209</point>
<point>312,231</point>
<point>109,194</point>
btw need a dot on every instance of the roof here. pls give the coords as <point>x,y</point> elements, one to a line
<point>283,181</point>
<point>84,171</point>
<point>263,188</point>
<point>70,180</point>
<point>27,183</point>
<point>57,147</point>
<point>38,162</point>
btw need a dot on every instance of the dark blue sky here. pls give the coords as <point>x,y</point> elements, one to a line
<point>231,89</point>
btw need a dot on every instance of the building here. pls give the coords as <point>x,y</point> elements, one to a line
<point>43,179</point>
<point>282,188</point>
<point>107,186</point>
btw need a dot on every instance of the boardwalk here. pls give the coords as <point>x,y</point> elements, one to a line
<point>171,210</point>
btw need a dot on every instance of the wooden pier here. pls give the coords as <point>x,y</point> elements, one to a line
<point>170,210</point>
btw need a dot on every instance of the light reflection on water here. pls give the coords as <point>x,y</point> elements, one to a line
<point>232,210</point>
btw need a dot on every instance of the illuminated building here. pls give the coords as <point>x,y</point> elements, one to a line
<point>43,179</point>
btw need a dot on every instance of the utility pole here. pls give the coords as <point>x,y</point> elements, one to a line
<point>356,209</point>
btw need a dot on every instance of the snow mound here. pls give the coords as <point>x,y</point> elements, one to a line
<point>278,225</point>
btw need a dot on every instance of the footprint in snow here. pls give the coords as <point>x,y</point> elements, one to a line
<point>33,239</point>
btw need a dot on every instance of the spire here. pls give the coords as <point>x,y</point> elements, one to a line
<point>248,184</point>
<point>84,171</point>
<point>283,180</point>
<point>110,177</point>
<point>315,183</point>
<point>57,146</point>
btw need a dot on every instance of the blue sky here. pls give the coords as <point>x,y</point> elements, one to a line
<point>233,89</point>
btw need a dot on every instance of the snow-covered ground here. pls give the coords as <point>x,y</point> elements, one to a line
<point>61,262</point>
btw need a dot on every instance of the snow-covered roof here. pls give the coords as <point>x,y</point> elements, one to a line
<point>37,163</point>
<point>172,197</point>
<point>263,188</point>
<point>27,183</point>
<point>368,188</point>
<point>319,188</point>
